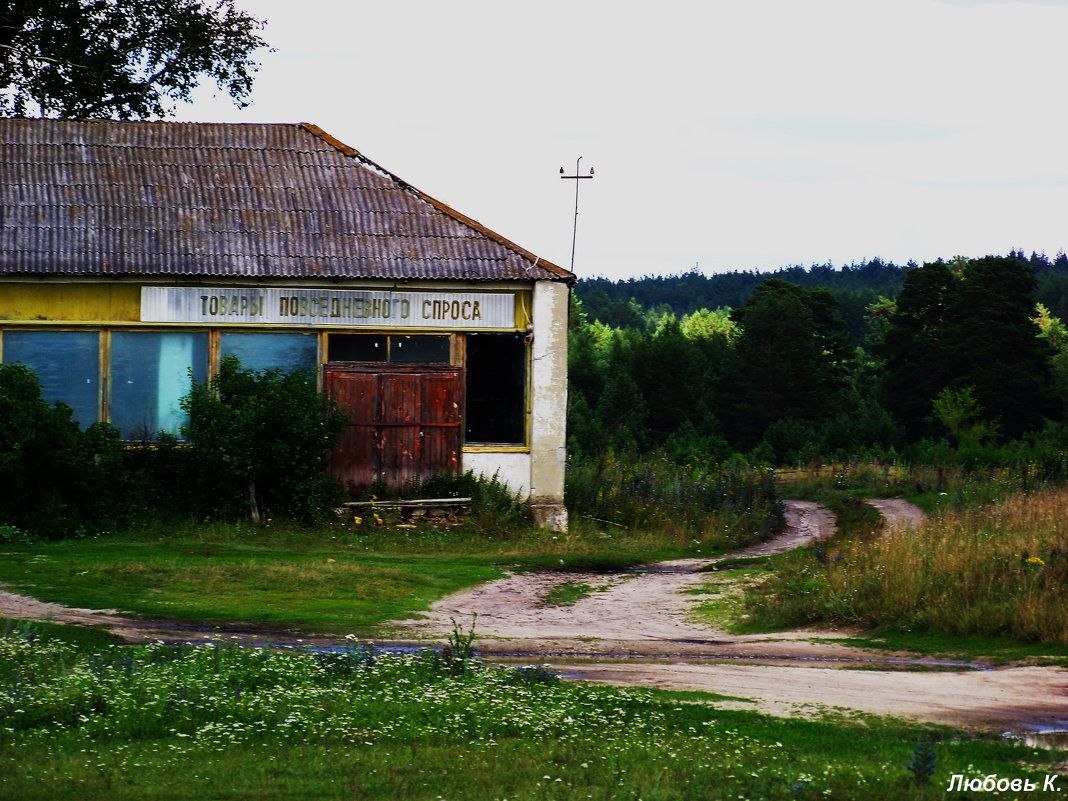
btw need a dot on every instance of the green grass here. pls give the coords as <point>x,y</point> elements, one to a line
<point>854,519</point>
<point>326,587</point>
<point>83,637</point>
<point>733,564</point>
<point>723,505</point>
<point>932,503</point>
<point>162,722</point>
<point>725,610</point>
<point>933,487</point>
<point>329,580</point>
<point>571,592</point>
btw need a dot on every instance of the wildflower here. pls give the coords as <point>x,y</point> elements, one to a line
<point>1034,560</point>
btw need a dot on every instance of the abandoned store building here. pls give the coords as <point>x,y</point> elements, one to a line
<point>134,254</point>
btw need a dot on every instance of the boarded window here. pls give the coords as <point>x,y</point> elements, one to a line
<point>67,364</point>
<point>269,351</point>
<point>150,372</point>
<point>496,389</point>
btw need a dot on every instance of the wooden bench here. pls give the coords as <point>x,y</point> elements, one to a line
<point>419,508</point>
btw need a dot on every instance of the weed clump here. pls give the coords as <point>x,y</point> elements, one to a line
<point>731,504</point>
<point>922,766</point>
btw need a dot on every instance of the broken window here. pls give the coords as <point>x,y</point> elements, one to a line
<point>496,389</point>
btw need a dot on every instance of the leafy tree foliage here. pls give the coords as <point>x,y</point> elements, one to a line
<point>124,59</point>
<point>993,345</point>
<point>780,378</point>
<point>624,303</point>
<point>961,414</point>
<point>633,389</point>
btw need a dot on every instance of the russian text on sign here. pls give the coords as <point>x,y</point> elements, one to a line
<point>348,307</point>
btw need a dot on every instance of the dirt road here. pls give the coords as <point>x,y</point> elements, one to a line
<point>1009,700</point>
<point>641,621</point>
<point>898,513</point>
<point>636,628</point>
<point>643,611</point>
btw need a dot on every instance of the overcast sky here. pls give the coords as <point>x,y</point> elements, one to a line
<point>750,134</point>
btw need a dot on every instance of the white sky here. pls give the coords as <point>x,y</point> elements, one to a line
<point>750,134</point>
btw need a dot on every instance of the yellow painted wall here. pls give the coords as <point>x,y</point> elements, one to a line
<point>73,302</point>
<point>116,302</point>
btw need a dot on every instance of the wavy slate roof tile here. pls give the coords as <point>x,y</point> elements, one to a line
<point>228,200</point>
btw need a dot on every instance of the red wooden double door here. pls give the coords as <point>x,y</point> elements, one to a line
<point>405,422</point>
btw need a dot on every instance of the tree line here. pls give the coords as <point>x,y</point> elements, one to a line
<point>856,287</point>
<point>960,354</point>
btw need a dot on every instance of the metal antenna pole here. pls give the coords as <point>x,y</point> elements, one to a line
<point>574,229</point>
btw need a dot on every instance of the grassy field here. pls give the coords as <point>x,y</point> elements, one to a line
<point>84,721</point>
<point>997,570</point>
<point>325,586</point>
<point>330,580</point>
<point>352,578</point>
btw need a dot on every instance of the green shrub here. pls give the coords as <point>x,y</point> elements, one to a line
<point>55,479</point>
<point>258,441</point>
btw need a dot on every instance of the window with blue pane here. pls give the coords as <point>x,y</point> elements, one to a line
<point>261,351</point>
<point>67,364</point>
<point>150,372</point>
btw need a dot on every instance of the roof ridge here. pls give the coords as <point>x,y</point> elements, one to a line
<point>535,260</point>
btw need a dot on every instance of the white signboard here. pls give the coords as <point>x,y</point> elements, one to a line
<point>343,307</point>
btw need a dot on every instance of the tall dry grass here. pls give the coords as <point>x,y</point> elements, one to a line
<point>999,569</point>
<point>937,485</point>
<point>717,505</point>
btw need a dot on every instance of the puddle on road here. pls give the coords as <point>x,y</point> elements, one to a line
<point>1053,738</point>
<point>596,655</point>
<point>592,655</point>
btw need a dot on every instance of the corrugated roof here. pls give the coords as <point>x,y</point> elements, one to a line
<point>228,200</point>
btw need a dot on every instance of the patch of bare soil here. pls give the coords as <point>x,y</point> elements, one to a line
<point>992,700</point>
<point>22,607</point>
<point>898,513</point>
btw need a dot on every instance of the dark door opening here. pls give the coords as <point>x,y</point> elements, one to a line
<point>496,389</point>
